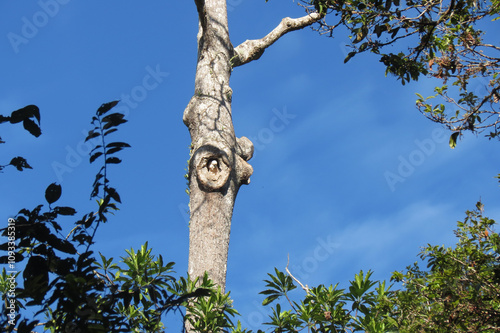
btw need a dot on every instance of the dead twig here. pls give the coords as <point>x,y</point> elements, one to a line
<point>306,288</point>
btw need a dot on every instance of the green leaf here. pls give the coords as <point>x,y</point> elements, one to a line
<point>453,140</point>
<point>270,299</point>
<point>349,56</point>
<point>361,34</point>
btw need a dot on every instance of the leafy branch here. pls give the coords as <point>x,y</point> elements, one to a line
<point>441,39</point>
<point>326,309</point>
<point>62,279</point>
<point>30,117</point>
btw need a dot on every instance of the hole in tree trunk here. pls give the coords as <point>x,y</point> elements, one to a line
<point>213,165</point>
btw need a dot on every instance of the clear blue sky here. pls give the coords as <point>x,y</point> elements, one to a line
<point>327,136</point>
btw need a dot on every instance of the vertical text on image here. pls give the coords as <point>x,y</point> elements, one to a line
<point>12,273</point>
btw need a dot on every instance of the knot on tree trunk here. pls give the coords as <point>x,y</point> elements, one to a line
<point>245,152</point>
<point>212,167</point>
<point>245,148</point>
<point>245,170</point>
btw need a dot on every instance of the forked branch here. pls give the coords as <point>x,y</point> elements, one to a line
<point>251,50</point>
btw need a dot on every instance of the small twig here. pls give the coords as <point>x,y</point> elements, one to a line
<point>102,276</point>
<point>72,230</point>
<point>306,288</point>
<point>76,227</point>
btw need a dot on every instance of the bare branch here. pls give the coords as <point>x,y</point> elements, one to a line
<point>252,49</point>
<point>306,288</point>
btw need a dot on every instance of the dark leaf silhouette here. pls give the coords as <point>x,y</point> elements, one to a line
<point>61,244</point>
<point>36,277</point>
<point>113,160</point>
<point>31,127</point>
<point>106,107</point>
<point>95,156</point>
<point>88,222</point>
<point>95,189</point>
<point>25,113</point>
<point>55,275</point>
<point>40,232</point>
<point>65,210</point>
<point>115,147</point>
<point>98,177</point>
<point>113,119</point>
<point>91,135</point>
<point>118,144</point>
<point>62,266</point>
<point>53,193</point>
<point>95,148</point>
<point>26,327</point>
<point>17,116</point>
<point>113,150</point>
<point>34,111</point>
<point>20,163</point>
<point>110,131</point>
<point>113,194</point>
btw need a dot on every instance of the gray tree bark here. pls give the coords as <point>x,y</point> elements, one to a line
<point>218,165</point>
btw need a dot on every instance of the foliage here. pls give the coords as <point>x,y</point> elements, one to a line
<point>211,313</point>
<point>62,279</point>
<point>442,39</point>
<point>27,116</point>
<point>365,306</point>
<point>460,291</point>
<point>59,271</point>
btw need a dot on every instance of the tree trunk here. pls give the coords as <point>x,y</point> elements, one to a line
<point>218,164</point>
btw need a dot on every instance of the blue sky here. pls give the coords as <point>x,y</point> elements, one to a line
<point>327,136</point>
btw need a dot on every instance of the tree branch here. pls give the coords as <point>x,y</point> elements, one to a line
<point>251,50</point>
<point>306,288</point>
